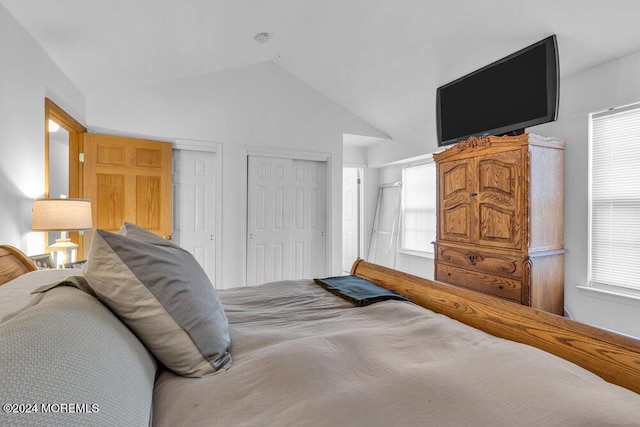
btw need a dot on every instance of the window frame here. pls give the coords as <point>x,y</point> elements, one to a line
<point>597,288</point>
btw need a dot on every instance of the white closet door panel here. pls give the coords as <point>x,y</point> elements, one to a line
<point>194,206</point>
<point>309,227</point>
<point>269,219</point>
<point>286,219</point>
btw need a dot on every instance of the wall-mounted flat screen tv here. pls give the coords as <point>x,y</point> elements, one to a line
<point>513,93</point>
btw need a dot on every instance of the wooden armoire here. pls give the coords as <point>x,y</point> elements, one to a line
<point>500,218</point>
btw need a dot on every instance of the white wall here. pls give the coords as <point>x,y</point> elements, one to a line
<point>609,85</point>
<point>27,76</point>
<point>254,107</point>
<point>354,155</point>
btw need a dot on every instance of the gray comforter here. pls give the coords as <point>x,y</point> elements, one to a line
<point>303,356</point>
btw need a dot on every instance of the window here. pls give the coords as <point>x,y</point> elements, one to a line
<point>419,208</point>
<point>615,200</point>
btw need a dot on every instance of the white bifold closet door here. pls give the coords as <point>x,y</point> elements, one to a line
<point>286,219</point>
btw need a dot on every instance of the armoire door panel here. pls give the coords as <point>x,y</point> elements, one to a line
<point>497,224</point>
<point>500,212</point>
<point>456,186</point>
<point>456,223</point>
<point>456,179</point>
<point>495,175</point>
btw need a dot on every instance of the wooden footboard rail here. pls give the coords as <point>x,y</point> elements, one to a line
<point>613,357</point>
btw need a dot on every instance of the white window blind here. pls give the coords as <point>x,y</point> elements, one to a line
<point>615,198</point>
<point>419,208</point>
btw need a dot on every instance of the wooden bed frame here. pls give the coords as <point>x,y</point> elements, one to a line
<point>613,357</point>
<point>13,263</point>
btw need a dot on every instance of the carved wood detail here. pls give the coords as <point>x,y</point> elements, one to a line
<point>497,199</point>
<point>455,201</point>
<point>474,258</point>
<point>473,143</point>
<point>526,282</point>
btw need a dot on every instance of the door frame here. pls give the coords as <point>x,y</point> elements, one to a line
<point>211,147</point>
<point>294,155</point>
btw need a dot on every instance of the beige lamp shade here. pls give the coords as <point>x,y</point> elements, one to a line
<point>61,215</point>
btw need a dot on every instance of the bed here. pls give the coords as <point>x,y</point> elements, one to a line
<point>451,357</point>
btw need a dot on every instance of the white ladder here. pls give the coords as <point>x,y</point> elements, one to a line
<point>383,245</point>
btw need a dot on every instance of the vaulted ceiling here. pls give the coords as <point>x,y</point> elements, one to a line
<point>380,59</point>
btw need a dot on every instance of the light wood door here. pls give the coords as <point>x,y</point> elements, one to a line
<point>128,179</point>
<point>194,202</point>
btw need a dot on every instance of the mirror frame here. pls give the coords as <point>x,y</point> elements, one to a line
<point>76,129</point>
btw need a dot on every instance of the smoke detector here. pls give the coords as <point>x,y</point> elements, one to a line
<point>262,37</point>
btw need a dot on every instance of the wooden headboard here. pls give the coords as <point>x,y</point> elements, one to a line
<point>13,263</point>
<point>613,357</point>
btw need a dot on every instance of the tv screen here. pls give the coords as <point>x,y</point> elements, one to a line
<point>513,93</point>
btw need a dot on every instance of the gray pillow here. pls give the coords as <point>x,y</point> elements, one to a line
<point>160,291</point>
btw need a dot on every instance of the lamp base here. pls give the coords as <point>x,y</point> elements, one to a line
<point>64,251</point>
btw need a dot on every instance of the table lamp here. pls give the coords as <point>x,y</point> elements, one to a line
<point>61,215</point>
